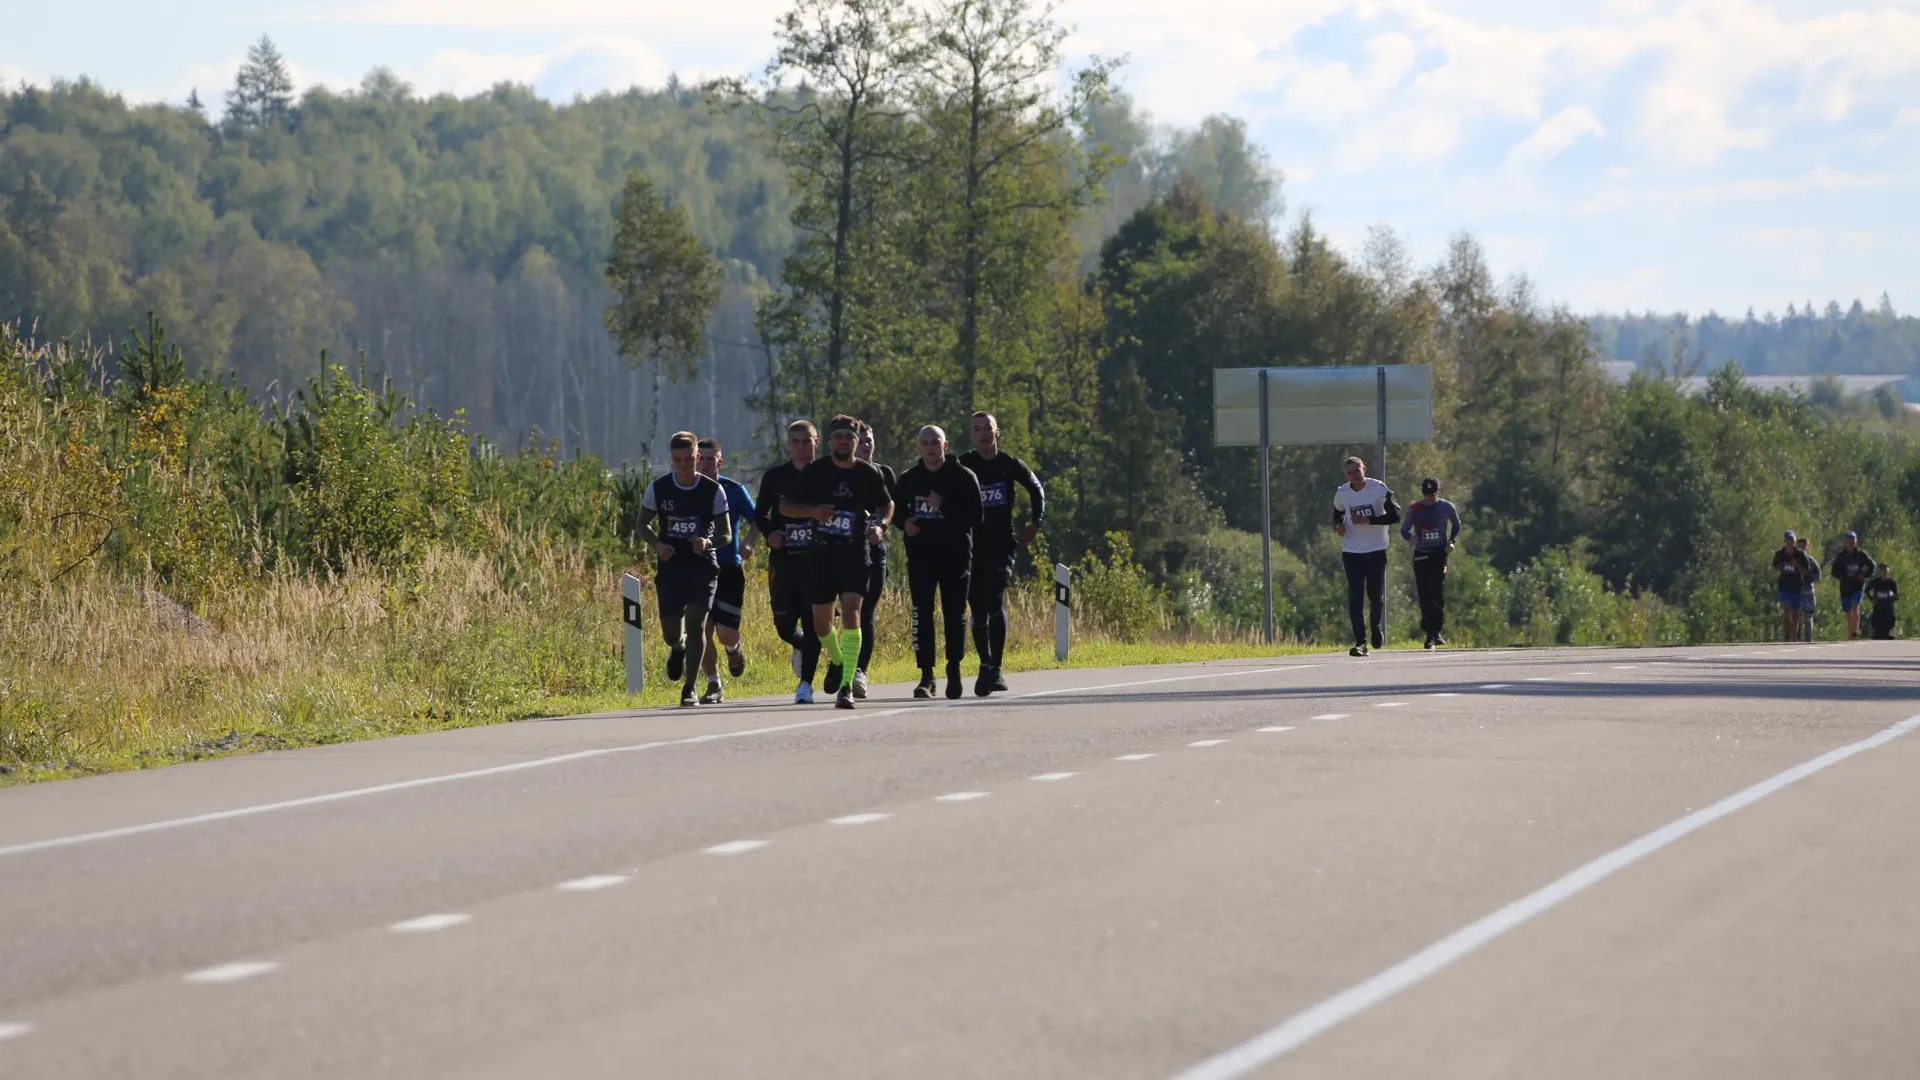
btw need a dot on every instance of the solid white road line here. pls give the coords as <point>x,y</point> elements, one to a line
<point>14,1029</point>
<point>1055,776</point>
<point>1276,730</point>
<point>1204,743</point>
<point>234,972</point>
<point>561,759</point>
<point>1331,716</point>
<point>859,819</point>
<point>735,847</point>
<point>1133,757</point>
<point>427,924</point>
<point>1303,1027</point>
<point>593,883</point>
<point>960,796</point>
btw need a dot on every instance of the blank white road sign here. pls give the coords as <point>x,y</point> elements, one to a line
<point>1313,405</point>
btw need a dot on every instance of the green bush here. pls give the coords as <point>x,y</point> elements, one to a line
<point>1115,595</point>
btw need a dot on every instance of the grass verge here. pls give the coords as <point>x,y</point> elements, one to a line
<point>96,674</point>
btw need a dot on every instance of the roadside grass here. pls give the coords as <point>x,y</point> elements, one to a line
<point>95,676</point>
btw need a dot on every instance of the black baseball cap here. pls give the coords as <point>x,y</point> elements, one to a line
<point>1429,485</point>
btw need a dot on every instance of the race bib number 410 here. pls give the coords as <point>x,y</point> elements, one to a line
<point>1361,515</point>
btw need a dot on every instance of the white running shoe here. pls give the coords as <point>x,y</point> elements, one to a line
<point>803,694</point>
<point>796,663</point>
<point>860,685</point>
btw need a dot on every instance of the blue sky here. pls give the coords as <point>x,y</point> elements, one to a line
<point>1625,154</point>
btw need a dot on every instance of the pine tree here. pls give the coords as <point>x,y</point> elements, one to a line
<point>262,94</point>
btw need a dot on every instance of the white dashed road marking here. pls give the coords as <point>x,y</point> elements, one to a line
<point>1580,673</point>
<point>1496,686</point>
<point>427,924</point>
<point>1304,1027</point>
<point>1626,667</point>
<point>1055,775</point>
<point>1443,695</point>
<point>1331,716</point>
<point>1541,678</point>
<point>1389,704</point>
<point>13,1030</point>
<point>589,884</point>
<point>960,796</point>
<point>560,759</point>
<point>1276,730</point>
<point>234,972</point>
<point>1204,743</point>
<point>859,819</point>
<point>736,847</point>
<point>1133,757</point>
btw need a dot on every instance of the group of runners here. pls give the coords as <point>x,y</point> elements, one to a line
<point>1364,509</point>
<point>824,521</point>
<point>1860,579</point>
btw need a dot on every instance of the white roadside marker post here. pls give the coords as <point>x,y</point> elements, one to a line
<point>1062,610</point>
<point>630,614</point>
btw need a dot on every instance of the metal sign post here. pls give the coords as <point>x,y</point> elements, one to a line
<point>1062,610</point>
<point>1303,406</point>
<point>1266,505</point>
<point>630,615</point>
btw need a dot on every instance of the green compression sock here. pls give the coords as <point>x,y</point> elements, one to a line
<point>850,644</point>
<point>830,643</point>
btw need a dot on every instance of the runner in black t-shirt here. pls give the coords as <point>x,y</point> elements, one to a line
<point>939,506</point>
<point>790,543</point>
<point>1792,569</point>
<point>692,512</point>
<point>1851,568</point>
<point>1884,592</point>
<point>995,543</point>
<point>876,567</point>
<point>849,502</point>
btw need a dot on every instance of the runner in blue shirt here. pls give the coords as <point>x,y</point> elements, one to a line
<point>724,622</point>
<point>1431,525</point>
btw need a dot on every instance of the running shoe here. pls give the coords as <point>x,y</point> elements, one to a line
<point>860,685</point>
<point>925,688</point>
<point>737,663</point>
<point>1379,639</point>
<point>1357,650</point>
<point>954,682</point>
<point>999,683</point>
<point>803,694</point>
<point>687,700</point>
<point>831,684</point>
<point>845,700</point>
<point>676,664</point>
<point>714,695</point>
<point>983,685</point>
<point>796,663</point>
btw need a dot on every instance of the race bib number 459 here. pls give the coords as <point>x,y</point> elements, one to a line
<point>683,528</point>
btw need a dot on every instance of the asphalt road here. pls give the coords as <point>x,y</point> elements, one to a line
<point>1567,863</point>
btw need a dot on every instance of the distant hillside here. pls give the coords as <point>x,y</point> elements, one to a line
<point>457,242</point>
<point>1854,341</point>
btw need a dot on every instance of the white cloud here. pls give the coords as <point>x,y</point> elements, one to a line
<point>1553,137</point>
<point>1680,197</point>
<point>1907,117</point>
<point>583,65</point>
<point>12,76</point>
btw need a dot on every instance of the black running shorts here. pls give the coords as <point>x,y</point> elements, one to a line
<point>729,595</point>
<point>838,571</point>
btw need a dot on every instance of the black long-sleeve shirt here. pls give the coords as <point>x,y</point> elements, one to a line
<point>946,529</point>
<point>998,476</point>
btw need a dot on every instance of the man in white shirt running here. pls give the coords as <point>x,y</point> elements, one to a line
<point>1362,510</point>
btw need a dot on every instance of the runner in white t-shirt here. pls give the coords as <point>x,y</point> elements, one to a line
<point>1362,510</point>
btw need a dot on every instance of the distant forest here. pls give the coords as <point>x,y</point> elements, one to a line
<point>457,243</point>
<point>1856,340</point>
